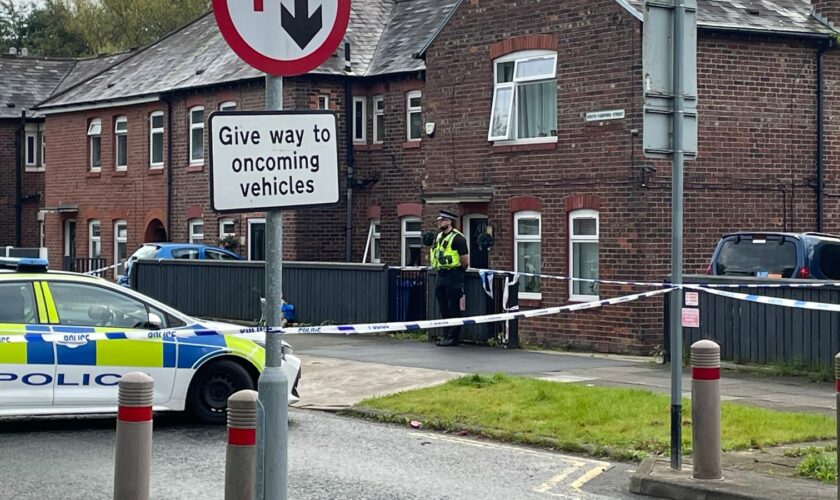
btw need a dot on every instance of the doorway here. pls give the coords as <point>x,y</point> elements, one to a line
<point>256,239</point>
<point>474,226</point>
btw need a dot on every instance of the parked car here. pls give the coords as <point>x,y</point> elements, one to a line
<point>80,374</point>
<point>777,255</point>
<point>190,251</point>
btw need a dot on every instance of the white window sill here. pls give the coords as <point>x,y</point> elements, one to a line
<point>535,140</point>
<point>156,167</point>
<point>584,298</point>
<point>121,169</point>
<point>34,169</point>
<point>196,163</point>
<point>95,170</point>
<point>530,296</point>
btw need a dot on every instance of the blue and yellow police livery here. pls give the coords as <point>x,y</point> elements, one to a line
<point>80,373</point>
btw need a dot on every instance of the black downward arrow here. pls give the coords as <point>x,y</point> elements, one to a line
<point>301,27</point>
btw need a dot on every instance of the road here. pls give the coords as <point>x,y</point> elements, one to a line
<point>331,457</point>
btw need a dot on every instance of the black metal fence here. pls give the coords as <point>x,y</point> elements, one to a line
<point>322,293</point>
<point>84,264</point>
<point>750,332</point>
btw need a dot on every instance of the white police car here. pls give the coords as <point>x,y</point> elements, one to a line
<point>66,339</point>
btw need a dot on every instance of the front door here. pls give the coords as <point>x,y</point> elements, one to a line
<point>476,226</point>
<point>256,239</point>
<point>70,244</point>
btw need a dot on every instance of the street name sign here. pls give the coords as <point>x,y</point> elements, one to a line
<point>266,160</point>
<point>283,37</point>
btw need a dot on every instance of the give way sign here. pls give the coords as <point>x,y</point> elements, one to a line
<point>283,37</point>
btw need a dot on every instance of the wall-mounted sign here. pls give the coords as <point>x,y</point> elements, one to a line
<point>610,114</point>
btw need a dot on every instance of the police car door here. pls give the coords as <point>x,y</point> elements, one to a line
<point>27,369</point>
<point>89,368</point>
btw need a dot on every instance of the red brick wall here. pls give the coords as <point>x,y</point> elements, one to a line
<point>7,181</point>
<point>135,195</point>
<point>829,9</point>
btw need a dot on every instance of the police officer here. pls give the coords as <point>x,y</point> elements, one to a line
<point>450,257</point>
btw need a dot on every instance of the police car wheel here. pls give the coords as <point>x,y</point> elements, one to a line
<point>212,386</point>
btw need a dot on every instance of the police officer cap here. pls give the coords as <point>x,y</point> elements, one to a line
<point>446,215</point>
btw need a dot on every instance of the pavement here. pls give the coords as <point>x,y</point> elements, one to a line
<point>341,371</point>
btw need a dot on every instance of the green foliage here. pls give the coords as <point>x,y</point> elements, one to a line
<point>819,464</point>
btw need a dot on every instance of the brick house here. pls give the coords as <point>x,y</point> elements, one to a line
<point>452,106</point>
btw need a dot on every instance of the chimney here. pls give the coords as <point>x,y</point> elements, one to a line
<point>828,10</point>
<point>12,51</point>
<point>24,52</point>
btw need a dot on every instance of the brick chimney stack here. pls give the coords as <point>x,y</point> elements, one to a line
<point>829,10</point>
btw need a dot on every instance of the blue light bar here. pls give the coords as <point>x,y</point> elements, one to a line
<point>24,264</point>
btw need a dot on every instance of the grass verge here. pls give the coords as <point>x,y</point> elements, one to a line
<point>817,462</point>
<point>622,424</point>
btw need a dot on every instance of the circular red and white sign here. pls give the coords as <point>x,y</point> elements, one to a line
<point>283,37</point>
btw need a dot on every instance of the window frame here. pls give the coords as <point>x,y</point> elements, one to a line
<point>323,101</point>
<point>378,117</point>
<point>356,138</point>
<point>156,130</point>
<point>222,233</point>
<point>519,58</point>
<point>573,238</point>
<point>118,240</point>
<point>528,238</point>
<point>405,234</point>
<point>409,110</point>
<point>193,237</point>
<point>94,133</point>
<point>227,106</point>
<point>375,239</point>
<point>94,241</point>
<point>196,126</point>
<point>33,150</point>
<point>120,134</point>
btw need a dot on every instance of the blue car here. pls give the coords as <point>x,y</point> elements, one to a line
<point>777,255</point>
<point>189,251</point>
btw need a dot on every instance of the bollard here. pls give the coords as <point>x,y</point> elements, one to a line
<point>241,456</point>
<point>705,409</point>
<point>134,437</point>
<point>837,406</point>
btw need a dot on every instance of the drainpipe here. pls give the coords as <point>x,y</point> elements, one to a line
<point>20,139</point>
<point>169,169</point>
<point>348,125</point>
<point>820,133</point>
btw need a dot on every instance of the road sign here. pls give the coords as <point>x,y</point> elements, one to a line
<point>283,37</point>
<point>266,160</point>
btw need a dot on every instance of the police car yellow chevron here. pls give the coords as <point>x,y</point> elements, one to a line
<point>77,372</point>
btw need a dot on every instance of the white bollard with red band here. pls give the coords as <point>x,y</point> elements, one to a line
<point>705,409</point>
<point>241,456</point>
<point>134,437</point>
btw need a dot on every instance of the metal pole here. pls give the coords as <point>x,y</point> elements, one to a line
<point>677,237</point>
<point>273,386</point>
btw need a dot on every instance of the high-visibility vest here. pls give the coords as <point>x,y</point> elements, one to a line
<point>442,255</point>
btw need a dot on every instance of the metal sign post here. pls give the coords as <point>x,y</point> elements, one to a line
<point>670,131</point>
<point>279,40</point>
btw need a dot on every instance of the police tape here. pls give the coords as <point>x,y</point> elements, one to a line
<point>103,269</point>
<point>72,335</point>
<point>473,320</point>
<point>762,299</point>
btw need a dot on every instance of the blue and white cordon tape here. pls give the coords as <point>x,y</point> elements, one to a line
<point>761,299</point>
<point>78,335</point>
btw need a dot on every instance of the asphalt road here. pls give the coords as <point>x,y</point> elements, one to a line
<point>331,457</point>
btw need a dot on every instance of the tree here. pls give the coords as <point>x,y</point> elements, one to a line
<point>48,32</point>
<point>12,25</point>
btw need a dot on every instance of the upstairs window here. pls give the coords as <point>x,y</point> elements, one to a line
<point>33,154</point>
<point>95,144</point>
<point>525,97</point>
<point>156,139</point>
<point>197,135</point>
<point>359,120</point>
<point>378,119</point>
<point>31,140</point>
<point>227,106</point>
<point>121,142</point>
<point>414,115</point>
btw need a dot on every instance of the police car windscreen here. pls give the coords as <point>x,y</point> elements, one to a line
<point>757,257</point>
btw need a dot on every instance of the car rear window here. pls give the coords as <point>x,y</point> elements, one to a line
<point>757,257</point>
<point>144,252</point>
<point>828,255</point>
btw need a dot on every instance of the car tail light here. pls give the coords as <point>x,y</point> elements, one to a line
<point>803,273</point>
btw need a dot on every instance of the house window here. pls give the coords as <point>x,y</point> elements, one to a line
<point>94,239</point>
<point>410,241</point>
<point>323,102</point>
<point>121,142</point>
<point>95,144</point>
<point>31,141</point>
<point>43,138</point>
<point>227,106</point>
<point>413,115</point>
<point>378,119</point>
<point>227,227</point>
<point>360,120</point>
<point>197,135</point>
<point>525,97</point>
<point>527,252</point>
<point>156,139</point>
<point>375,235</point>
<point>196,230</point>
<point>583,254</point>
<point>120,243</point>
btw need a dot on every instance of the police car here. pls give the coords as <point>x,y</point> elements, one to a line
<point>62,369</point>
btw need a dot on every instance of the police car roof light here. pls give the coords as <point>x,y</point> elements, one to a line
<point>24,264</point>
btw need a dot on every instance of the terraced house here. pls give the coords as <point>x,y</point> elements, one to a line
<point>525,119</point>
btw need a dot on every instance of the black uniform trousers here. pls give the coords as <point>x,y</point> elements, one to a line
<point>449,290</point>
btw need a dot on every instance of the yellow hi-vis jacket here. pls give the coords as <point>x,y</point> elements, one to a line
<point>442,255</point>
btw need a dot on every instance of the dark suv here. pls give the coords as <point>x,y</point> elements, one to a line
<point>777,255</point>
